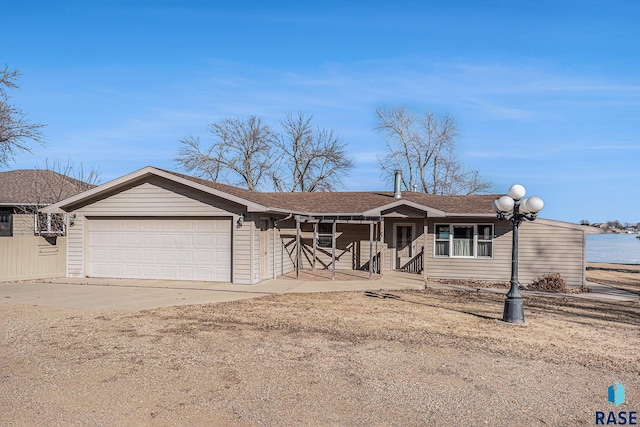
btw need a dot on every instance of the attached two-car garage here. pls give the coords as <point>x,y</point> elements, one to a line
<point>159,248</point>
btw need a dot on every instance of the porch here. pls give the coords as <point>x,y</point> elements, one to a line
<point>356,248</point>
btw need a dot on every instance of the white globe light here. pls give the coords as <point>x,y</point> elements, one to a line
<point>524,205</point>
<point>505,203</point>
<point>534,204</point>
<point>517,192</point>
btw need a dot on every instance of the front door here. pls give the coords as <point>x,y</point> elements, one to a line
<point>404,244</point>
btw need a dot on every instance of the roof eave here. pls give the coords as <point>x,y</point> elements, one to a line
<point>469,215</point>
<point>430,211</point>
<point>146,171</point>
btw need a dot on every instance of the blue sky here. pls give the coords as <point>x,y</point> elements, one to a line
<point>546,93</point>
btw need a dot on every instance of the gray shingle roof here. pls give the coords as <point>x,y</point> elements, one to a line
<point>37,187</point>
<point>351,202</point>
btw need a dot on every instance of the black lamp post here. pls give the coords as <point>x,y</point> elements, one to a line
<point>516,209</point>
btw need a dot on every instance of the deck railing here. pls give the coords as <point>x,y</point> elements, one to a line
<point>414,265</point>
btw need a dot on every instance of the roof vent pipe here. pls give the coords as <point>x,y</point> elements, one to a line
<point>397,181</point>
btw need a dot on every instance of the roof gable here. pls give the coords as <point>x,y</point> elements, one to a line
<point>125,181</point>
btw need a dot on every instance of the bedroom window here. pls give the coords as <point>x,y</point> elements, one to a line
<point>463,240</point>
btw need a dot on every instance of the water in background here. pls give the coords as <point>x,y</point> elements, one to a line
<point>616,248</point>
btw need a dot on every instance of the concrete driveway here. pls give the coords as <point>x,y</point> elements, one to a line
<point>135,295</point>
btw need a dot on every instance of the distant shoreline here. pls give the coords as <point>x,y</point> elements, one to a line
<point>601,264</point>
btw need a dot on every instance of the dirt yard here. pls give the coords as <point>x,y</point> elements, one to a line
<point>351,358</point>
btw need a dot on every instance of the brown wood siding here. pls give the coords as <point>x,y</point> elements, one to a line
<point>26,258</point>
<point>542,249</point>
<point>158,197</point>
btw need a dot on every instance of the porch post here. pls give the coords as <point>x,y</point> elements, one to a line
<point>297,246</point>
<point>383,258</point>
<point>315,243</point>
<point>273,224</point>
<point>370,250</point>
<point>424,250</point>
<point>333,251</point>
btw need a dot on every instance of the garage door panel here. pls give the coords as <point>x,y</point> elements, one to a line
<point>222,259</point>
<point>222,226</point>
<point>132,270</point>
<point>149,271</point>
<point>132,255</point>
<point>96,255</point>
<point>115,270</point>
<point>149,255</point>
<point>149,239</point>
<point>97,238</point>
<point>204,257</point>
<point>167,240</point>
<point>187,226</point>
<point>148,225</point>
<point>114,255</point>
<point>186,273</point>
<point>181,249</point>
<point>205,240</point>
<point>115,239</point>
<point>168,257</point>
<point>186,256</point>
<point>168,272</point>
<point>132,239</point>
<point>203,273</point>
<point>185,240</point>
<point>99,269</point>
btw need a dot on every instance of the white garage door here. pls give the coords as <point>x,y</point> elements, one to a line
<point>170,249</point>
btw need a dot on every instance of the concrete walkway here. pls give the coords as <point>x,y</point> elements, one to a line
<point>135,295</point>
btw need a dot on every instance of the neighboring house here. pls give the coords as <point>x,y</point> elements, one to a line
<point>23,192</point>
<point>156,224</point>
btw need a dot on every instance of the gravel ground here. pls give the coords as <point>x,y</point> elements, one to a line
<point>420,358</point>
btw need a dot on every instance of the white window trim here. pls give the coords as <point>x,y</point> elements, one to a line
<point>475,240</point>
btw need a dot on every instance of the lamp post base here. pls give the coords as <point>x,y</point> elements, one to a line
<point>513,310</point>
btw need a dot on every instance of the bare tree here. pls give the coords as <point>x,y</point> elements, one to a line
<point>248,153</point>
<point>240,153</point>
<point>57,181</point>
<point>312,159</point>
<point>423,147</point>
<point>15,130</point>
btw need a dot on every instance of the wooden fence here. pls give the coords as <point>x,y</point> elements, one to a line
<point>25,258</point>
